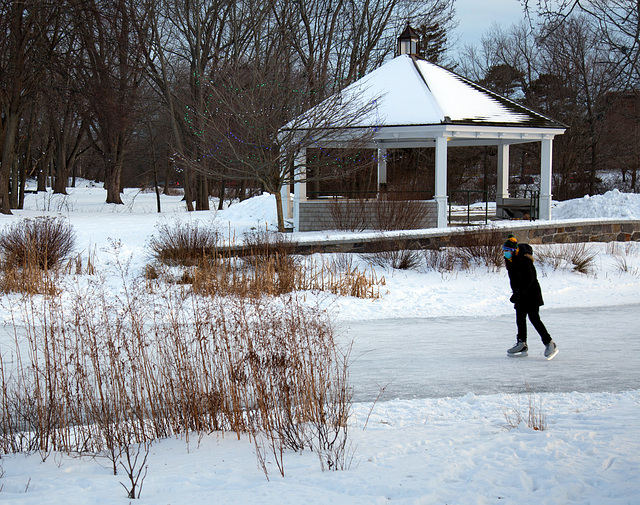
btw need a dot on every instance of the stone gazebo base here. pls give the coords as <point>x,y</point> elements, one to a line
<point>346,214</point>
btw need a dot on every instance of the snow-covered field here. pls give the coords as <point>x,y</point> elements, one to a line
<point>445,450</point>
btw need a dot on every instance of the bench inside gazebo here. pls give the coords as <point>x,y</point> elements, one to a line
<point>418,104</point>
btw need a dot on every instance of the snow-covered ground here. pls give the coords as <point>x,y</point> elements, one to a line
<point>452,447</point>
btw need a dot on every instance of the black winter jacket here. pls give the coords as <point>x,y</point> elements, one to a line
<point>523,279</point>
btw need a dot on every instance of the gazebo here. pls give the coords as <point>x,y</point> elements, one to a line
<point>416,103</point>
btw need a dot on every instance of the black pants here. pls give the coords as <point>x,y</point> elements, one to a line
<point>534,317</point>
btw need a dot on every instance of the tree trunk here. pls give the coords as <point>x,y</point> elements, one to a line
<point>154,164</point>
<point>15,184</point>
<point>221,191</point>
<point>60,179</point>
<point>113,171</point>
<point>279,211</point>
<point>42,178</point>
<point>8,157</point>
<point>202,192</point>
<point>593,167</point>
<point>23,183</point>
<point>188,189</point>
<point>167,171</point>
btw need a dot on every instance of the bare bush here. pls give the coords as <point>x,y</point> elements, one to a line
<point>482,248</point>
<point>398,256</point>
<point>398,211</point>
<point>349,214</point>
<point>389,211</point>
<point>43,242</point>
<point>441,260</point>
<point>577,256</point>
<point>183,243</point>
<point>263,244</point>
<point>135,468</point>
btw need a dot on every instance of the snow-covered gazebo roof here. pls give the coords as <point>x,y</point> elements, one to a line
<point>411,102</point>
<point>409,92</point>
<point>415,91</point>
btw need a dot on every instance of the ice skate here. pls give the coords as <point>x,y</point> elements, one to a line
<point>550,350</point>
<point>518,351</point>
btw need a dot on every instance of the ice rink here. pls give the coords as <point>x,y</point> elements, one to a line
<point>452,356</point>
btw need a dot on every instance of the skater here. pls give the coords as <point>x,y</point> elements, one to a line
<point>526,298</point>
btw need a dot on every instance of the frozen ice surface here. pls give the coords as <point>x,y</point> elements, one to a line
<point>453,356</point>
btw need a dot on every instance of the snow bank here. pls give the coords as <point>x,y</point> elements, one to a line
<point>455,451</point>
<point>613,204</point>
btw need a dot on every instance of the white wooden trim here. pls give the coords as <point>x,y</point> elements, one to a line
<point>546,177</point>
<point>441,181</point>
<point>382,166</point>
<point>502,184</point>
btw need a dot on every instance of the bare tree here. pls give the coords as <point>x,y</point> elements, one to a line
<point>621,149</point>
<point>260,119</point>
<point>339,41</point>
<point>24,50</point>
<point>618,23</point>
<point>63,105</point>
<point>573,52</point>
<point>565,73</point>
<point>185,39</point>
<point>110,72</point>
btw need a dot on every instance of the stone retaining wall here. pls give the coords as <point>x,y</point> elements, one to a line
<point>534,233</point>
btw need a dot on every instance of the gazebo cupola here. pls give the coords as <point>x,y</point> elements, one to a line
<point>408,42</point>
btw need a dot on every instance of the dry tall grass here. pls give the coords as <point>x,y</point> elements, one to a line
<point>183,243</point>
<point>625,256</point>
<point>534,417</point>
<point>266,266</point>
<point>579,257</point>
<point>98,373</point>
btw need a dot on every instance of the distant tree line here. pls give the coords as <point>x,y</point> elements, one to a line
<point>194,92</point>
<point>579,64</point>
<point>190,92</point>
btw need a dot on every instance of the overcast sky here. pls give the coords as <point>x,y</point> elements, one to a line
<point>476,16</point>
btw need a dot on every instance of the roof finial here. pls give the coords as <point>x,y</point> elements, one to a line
<point>408,42</point>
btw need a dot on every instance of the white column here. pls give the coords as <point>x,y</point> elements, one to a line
<point>382,166</point>
<point>546,160</point>
<point>441,181</point>
<point>502,189</point>
<point>300,186</point>
<point>287,207</point>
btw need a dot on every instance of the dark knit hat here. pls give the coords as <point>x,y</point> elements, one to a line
<point>511,243</point>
